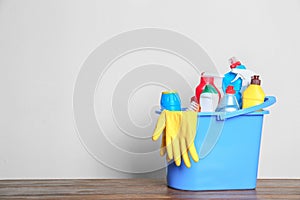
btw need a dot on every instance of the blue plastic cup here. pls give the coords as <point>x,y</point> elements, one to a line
<point>170,100</point>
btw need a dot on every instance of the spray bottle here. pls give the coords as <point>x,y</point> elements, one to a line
<point>239,77</point>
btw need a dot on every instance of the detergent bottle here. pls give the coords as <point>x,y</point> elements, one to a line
<point>209,99</point>
<point>194,105</point>
<point>204,81</point>
<point>254,94</point>
<point>239,77</point>
<point>229,102</point>
<point>170,100</point>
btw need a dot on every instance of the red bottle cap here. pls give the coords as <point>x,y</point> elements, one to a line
<point>255,80</point>
<point>230,90</point>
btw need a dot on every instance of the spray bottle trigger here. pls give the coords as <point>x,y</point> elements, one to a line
<point>244,74</point>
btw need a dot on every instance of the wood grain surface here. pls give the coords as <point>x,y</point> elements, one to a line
<point>137,189</point>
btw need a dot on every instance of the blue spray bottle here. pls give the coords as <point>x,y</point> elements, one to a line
<point>239,77</point>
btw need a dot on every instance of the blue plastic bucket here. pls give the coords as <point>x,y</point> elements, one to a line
<point>228,145</point>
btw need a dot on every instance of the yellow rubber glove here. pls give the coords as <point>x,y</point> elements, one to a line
<point>169,124</point>
<point>179,130</point>
<point>187,136</point>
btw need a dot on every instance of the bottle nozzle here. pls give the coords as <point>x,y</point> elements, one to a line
<point>234,62</point>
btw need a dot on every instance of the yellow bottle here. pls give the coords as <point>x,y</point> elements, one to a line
<point>254,94</point>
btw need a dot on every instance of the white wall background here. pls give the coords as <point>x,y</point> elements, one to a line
<point>44,43</point>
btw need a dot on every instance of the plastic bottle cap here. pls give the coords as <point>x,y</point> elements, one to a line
<point>255,80</point>
<point>209,89</point>
<point>230,90</point>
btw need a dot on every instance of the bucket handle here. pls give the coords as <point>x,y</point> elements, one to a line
<point>215,129</point>
<point>269,100</point>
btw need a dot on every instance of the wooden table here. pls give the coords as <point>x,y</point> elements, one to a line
<point>137,189</point>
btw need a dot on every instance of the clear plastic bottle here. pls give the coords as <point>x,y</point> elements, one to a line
<point>229,102</point>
